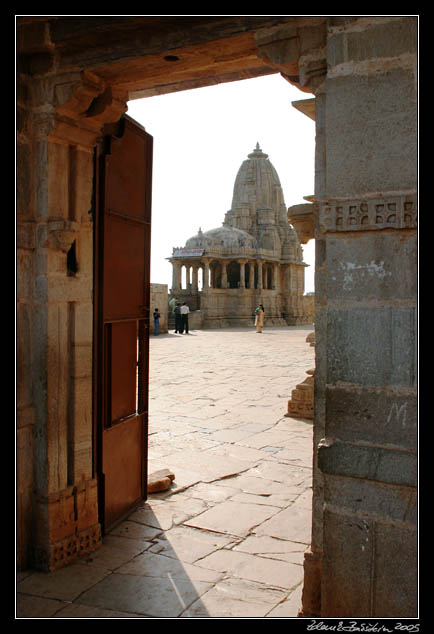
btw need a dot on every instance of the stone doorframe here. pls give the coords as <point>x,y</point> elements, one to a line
<point>62,115</point>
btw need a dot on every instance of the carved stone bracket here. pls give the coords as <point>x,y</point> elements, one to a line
<point>298,53</point>
<point>391,212</point>
<point>301,217</point>
<point>61,234</point>
<point>84,105</point>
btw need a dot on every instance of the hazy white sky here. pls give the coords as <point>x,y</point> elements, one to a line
<point>201,137</point>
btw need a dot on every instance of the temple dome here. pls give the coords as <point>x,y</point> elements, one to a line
<point>224,236</point>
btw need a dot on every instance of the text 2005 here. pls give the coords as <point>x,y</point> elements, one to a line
<point>407,628</point>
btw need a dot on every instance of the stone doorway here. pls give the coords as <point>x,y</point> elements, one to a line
<point>76,74</point>
<point>201,475</point>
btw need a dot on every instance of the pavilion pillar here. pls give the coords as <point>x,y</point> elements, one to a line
<point>224,275</point>
<point>176,276</point>
<point>260,280</point>
<point>242,264</point>
<point>195,277</point>
<point>251,275</point>
<point>205,275</point>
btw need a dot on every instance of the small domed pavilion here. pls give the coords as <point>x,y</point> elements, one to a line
<point>254,257</point>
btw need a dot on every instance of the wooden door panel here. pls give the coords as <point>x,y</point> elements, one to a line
<point>123,457</point>
<point>125,192</point>
<point>122,274</point>
<point>122,360</point>
<point>124,270</point>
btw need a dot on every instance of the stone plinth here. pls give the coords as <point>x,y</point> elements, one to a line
<point>302,398</point>
<point>68,526</point>
<point>301,403</point>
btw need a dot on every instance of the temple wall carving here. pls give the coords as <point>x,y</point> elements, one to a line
<point>370,214</point>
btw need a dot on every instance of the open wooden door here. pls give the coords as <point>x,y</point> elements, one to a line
<point>122,288</point>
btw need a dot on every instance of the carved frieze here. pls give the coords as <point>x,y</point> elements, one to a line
<point>390,212</point>
<point>68,550</point>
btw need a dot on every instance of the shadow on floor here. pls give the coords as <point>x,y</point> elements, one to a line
<point>127,577</point>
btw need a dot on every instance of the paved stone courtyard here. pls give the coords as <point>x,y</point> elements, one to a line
<point>228,538</point>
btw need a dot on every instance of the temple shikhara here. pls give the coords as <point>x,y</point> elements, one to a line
<point>254,257</point>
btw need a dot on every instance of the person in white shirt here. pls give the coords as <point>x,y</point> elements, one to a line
<point>184,317</point>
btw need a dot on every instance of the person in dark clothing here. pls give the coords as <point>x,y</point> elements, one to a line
<point>178,325</point>
<point>184,316</point>
<point>156,316</point>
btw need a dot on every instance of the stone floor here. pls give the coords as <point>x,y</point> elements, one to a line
<point>228,538</point>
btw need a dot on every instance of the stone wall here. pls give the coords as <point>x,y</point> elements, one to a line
<point>159,298</point>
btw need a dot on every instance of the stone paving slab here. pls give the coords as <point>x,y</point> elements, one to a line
<point>234,598</point>
<point>158,597</point>
<point>228,538</point>
<point>233,518</point>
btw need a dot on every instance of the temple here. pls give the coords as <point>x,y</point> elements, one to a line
<point>254,257</point>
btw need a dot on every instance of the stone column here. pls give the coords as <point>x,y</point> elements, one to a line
<point>224,274</point>
<point>251,275</point>
<point>260,281</point>
<point>242,264</point>
<point>205,275</point>
<point>275,283</point>
<point>176,276</point>
<point>195,268</point>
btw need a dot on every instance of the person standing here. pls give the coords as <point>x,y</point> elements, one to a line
<point>177,311</point>
<point>184,316</point>
<point>156,316</point>
<point>259,319</point>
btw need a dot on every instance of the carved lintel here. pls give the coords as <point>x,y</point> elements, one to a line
<point>374,214</point>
